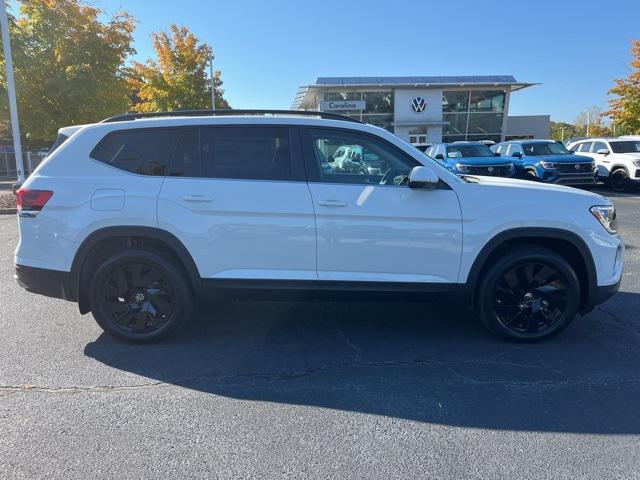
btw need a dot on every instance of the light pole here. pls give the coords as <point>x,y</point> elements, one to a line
<point>11,90</point>
<point>588,110</point>
<point>213,88</point>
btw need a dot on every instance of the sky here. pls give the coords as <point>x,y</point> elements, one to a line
<point>267,49</point>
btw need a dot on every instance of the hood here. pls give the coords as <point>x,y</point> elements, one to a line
<point>563,158</point>
<point>543,188</point>
<point>479,161</point>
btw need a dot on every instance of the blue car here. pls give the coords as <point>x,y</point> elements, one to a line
<point>548,161</point>
<point>471,158</point>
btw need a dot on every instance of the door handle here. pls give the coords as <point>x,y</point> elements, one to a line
<point>331,203</point>
<point>197,198</point>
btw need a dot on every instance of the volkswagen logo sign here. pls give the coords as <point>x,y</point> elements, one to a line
<point>490,169</point>
<point>577,166</point>
<point>418,104</point>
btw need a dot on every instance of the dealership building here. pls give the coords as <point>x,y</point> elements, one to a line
<point>427,110</point>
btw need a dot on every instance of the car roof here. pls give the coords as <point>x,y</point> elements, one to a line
<point>532,140</point>
<point>187,120</point>
<point>463,143</point>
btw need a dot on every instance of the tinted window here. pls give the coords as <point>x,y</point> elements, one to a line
<point>584,147</point>
<point>145,152</point>
<point>186,160</point>
<point>627,146</point>
<point>260,153</point>
<point>542,148</point>
<point>369,161</point>
<point>466,151</point>
<point>599,146</point>
<point>59,141</point>
<point>514,147</point>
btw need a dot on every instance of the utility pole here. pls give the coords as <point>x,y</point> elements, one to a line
<point>11,90</point>
<point>213,88</point>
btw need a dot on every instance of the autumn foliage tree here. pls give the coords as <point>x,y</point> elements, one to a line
<point>69,65</point>
<point>625,106</point>
<point>177,79</point>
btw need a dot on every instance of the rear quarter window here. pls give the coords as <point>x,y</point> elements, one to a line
<point>143,151</point>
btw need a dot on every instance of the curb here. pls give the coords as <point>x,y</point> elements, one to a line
<point>8,211</point>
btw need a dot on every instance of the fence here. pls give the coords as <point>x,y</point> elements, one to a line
<point>8,163</point>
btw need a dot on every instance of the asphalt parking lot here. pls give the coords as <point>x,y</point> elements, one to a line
<point>326,390</point>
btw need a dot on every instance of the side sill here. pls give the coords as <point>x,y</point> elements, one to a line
<point>328,290</point>
<point>50,283</point>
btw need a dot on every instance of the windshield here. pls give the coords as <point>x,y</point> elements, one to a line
<point>544,149</point>
<point>631,146</point>
<point>464,151</point>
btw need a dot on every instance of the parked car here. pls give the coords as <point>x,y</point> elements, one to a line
<point>471,158</point>
<point>617,159</point>
<point>548,161</point>
<point>141,217</point>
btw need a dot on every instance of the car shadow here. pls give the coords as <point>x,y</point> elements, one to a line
<point>413,361</point>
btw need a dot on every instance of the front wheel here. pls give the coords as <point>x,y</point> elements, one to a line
<point>139,296</point>
<point>528,294</point>
<point>619,180</point>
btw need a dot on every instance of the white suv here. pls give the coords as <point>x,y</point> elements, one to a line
<point>140,217</point>
<point>618,159</point>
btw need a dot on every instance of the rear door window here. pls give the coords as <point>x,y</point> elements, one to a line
<point>256,153</point>
<point>142,151</point>
<point>584,146</point>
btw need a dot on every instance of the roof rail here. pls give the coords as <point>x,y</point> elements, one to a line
<point>215,113</point>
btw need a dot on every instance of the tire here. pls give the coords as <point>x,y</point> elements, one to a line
<point>528,294</point>
<point>139,296</point>
<point>618,180</point>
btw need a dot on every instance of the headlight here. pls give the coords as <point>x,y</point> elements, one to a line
<point>606,215</point>
<point>462,168</point>
<point>636,163</point>
<point>593,165</point>
<point>544,164</point>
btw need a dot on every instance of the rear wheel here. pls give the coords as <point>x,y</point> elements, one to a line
<point>139,296</point>
<point>619,180</point>
<point>529,294</point>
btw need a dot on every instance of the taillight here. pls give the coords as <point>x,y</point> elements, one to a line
<point>32,200</point>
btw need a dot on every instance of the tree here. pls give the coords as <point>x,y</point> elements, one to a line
<point>595,118</point>
<point>69,65</point>
<point>178,79</point>
<point>625,107</point>
<point>563,131</point>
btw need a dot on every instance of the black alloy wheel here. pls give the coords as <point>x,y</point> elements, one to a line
<point>528,293</point>
<point>619,180</point>
<point>137,298</point>
<point>530,298</point>
<point>140,296</point>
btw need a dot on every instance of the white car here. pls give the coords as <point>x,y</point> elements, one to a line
<point>617,159</point>
<point>140,217</point>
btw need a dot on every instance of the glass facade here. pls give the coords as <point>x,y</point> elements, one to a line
<point>472,115</point>
<point>379,106</point>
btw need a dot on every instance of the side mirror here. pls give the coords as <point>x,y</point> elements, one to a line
<point>330,159</point>
<point>423,177</point>
<point>439,156</point>
<point>572,152</point>
<point>602,151</point>
<point>496,154</point>
<point>517,154</point>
